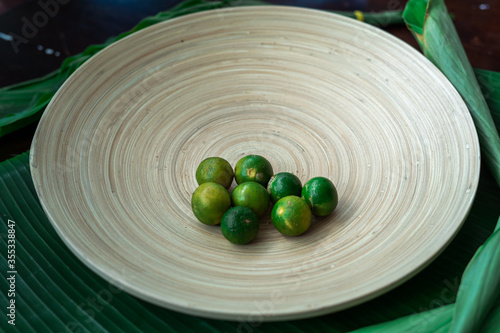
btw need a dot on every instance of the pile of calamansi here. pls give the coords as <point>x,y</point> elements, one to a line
<point>238,212</point>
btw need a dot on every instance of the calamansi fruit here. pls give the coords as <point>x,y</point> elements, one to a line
<point>252,195</point>
<point>294,205</point>
<point>216,170</point>
<point>209,202</point>
<point>253,168</point>
<point>239,225</point>
<point>284,184</point>
<point>291,216</point>
<point>321,195</point>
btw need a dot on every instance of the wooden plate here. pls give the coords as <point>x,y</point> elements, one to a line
<point>114,159</point>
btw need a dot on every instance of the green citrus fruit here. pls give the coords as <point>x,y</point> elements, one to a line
<point>284,184</point>
<point>251,195</point>
<point>321,195</point>
<point>239,225</point>
<point>253,168</point>
<point>216,170</point>
<point>209,202</point>
<point>291,216</point>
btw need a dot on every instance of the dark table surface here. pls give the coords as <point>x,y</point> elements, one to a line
<point>67,27</point>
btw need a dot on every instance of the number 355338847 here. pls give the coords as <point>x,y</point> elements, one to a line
<point>11,244</point>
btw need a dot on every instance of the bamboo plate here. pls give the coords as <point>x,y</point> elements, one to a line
<point>114,158</point>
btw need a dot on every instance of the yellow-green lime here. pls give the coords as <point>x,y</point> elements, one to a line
<point>209,203</point>
<point>284,184</point>
<point>253,168</point>
<point>321,195</point>
<point>252,195</point>
<point>239,225</point>
<point>291,216</point>
<point>216,170</point>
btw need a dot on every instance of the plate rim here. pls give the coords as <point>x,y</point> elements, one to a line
<point>221,315</point>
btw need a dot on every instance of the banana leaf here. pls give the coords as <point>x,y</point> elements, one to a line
<point>477,307</point>
<point>22,104</point>
<point>433,29</point>
<point>430,24</point>
<point>56,292</point>
<point>490,86</point>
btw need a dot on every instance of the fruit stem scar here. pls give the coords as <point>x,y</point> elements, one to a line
<point>251,173</point>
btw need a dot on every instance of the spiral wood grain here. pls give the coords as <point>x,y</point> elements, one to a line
<point>114,159</point>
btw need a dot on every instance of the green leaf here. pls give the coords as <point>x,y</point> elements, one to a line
<point>478,299</point>
<point>22,104</point>
<point>432,321</point>
<point>55,291</point>
<point>492,322</point>
<point>480,287</point>
<point>440,43</point>
<point>414,15</point>
<point>490,87</point>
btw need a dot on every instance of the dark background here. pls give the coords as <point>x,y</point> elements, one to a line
<point>75,24</point>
